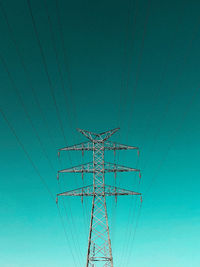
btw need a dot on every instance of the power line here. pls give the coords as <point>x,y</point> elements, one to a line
<point>130,222</point>
<point>38,173</point>
<point>138,70</point>
<point>135,87</point>
<point>156,93</point>
<point>164,158</point>
<point>68,242</point>
<point>134,234</point>
<point>32,88</point>
<point>162,161</point>
<point>42,116</point>
<point>27,154</point>
<point>125,54</point>
<point>25,111</point>
<point>46,70</point>
<point>192,99</point>
<point>65,57</point>
<point>74,225</point>
<point>57,59</point>
<point>167,106</point>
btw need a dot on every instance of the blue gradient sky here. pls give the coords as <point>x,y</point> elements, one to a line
<point>132,64</point>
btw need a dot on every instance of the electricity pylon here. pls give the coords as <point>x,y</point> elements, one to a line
<point>99,251</point>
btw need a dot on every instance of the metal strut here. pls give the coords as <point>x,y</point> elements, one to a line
<point>99,251</point>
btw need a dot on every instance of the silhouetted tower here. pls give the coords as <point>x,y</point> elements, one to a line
<point>99,251</point>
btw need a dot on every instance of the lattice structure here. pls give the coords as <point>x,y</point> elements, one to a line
<point>99,244</point>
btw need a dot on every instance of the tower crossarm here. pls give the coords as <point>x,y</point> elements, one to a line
<point>108,145</point>
<point>108,190</point>
<point>89,168</point>
<point>82,147</point>
<point>98,137</point>
<point>88,146</point>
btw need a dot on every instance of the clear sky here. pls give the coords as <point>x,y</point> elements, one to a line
<point>98,65</point>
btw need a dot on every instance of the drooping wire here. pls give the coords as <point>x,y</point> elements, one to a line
<point>132,217</point>
<point>125,53</point>
<point>114,203</point>
<point>161,164</point>
<point>38,173</point>
<point>128,258</point>
<point>25,110</point>
<point>60,72</point>
<point>156,93</point>
<point>42,116</point>
<point>139,64</point>
<point>167,107</point>
<point>122,87</point>
<point>71,213</point>
<point>164,158</point>
<point>65,57</point>
<point>64,91</point>
<point>46,70</point>
<point>26,153</point>
<point>130,221</point>
<point>21,101</point>
<point>185,113</point>
<point>84,203</point>
<point>32,88</point>
<point>138,70</point>
<point>68,216</point>
<point>57,61</point>
<point>165,155</point>
<point>27,115</point>
<point>130,60</point>
<point>68,242</point>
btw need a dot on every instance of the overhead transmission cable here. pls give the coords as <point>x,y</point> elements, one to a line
<point>131,217</point>
<point>167,106</point>
<point>26,113</point>
<point>57,61</point>
<point>125,58</point>
<point>163,158</point>
<point>137,76</point>
<point>27,154</point>
<point>160,86</point>
<point>25,110</point>
<point>65,57</point>
<point>38,173</point>
<point>42,116</point>
<point>123,76</point>
<point>192,99</point>
<point>46,70</point>
<point>62,84</point>
<point>128,258</point>
<point>139,64</point>
<point>70,213</point>
<point>31,86</point>
<point>178,128</point>
<point>64,92</point>
<point>156,93</point>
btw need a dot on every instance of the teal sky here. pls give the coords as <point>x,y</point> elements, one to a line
<point>98,65</point>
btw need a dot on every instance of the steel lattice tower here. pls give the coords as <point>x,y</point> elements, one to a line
<point>99,251</point>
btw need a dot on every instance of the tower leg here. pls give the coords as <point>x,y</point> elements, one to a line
<point>99,244</point>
